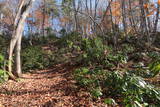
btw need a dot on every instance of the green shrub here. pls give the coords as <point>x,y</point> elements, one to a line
<point>131,89</point>
<point>72,37</point>
<point>154,55</point>
<point>110,101</point>
<point>151,71</point>
<point>3,76</point>
<point>91,80</point>
<point>61,56</point>
<point>1,60</point>
<point>3,73</point>
<point>96,53</point>
<point>34,58</point>
<point>113,59</point>
<point>3,43</point>
<point>128,48</point>
<point>154,68</point>
<point>93,50</point>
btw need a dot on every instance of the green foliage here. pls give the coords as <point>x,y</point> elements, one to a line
<point>96,52</point>
<point>63,32</point>
<point>3,76</point>
<point>90,79</point>
<point>34,58</point>
<point>3,44</point>
<point>132,89</point>
<point>151,71</point>
<point>155,68</point>
<point>80,76</point>
<point>110,101</point>
<point>51,38</point>
<point>71,37</point>
<point>93,50</point>
<point>113,59</point>
<point>61,56</point>
<point>127,48</point>
<point>154,55</point>
<point>1,59</point>
<point>66,7</point>
<point>2,41</point>
<point>3,73</point>
<point>97,92</point>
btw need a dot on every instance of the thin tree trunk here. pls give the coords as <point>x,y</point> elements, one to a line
<point>157,18</point>
<point>124,16</point>
<point>131,17</point>
<point>44,18</point>
<point>143,18</point>
<point>91,13</point>
<point>75,16</point>
<point>156,24</point>
<point>95,14</point>
<point>18,57</point>
<point>114,39</point>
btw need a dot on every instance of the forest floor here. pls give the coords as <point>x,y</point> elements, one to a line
<point>46,88</point>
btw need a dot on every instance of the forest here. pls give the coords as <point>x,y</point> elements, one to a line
<point>79,53</point>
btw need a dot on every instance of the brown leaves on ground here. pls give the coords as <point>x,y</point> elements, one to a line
<point>46,88</point>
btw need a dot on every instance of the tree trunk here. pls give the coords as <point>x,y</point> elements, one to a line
<point>155,26</point>
<point>18,56</point>
<point>156,20</point>
<point>131,18</point>
<point>124,16</point>
<point>44,18</point>
<point>17,34</point>
<point>75,16</point>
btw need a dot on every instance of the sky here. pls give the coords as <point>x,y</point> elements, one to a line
<point>57,22</point>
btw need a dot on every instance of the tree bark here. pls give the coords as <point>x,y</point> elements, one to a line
<point>131,18</point>
<point>156,20</point>
<point>75,16</point>
<point>18,72</point>
<point>23,12</point>
<point>156,23</point>
<point>124,16</point>
<point>44,18</point>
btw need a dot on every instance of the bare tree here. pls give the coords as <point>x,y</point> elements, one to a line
<point>21,15</point>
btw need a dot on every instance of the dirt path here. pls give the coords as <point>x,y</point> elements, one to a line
<point>45,88</point>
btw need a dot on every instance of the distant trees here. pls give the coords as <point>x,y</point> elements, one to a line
<point>6,17</point>
<point>92,16</point>
<point>42,16</point>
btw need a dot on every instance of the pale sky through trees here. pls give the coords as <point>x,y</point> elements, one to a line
<point>56,22</point>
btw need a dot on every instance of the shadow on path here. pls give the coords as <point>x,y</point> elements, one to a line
<point>45,88</point>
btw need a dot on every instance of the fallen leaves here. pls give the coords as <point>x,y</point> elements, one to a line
<point>45,88</point>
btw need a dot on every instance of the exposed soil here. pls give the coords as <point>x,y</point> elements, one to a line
<point>46,88</point>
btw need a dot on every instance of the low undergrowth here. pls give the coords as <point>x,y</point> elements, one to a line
<point>125,88</point>
<point>118,76</point>
<point>34,57</point>
<point>3,72</point>
<point>107,73</point>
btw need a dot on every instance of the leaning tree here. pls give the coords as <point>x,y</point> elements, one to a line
<point>15,43</point>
